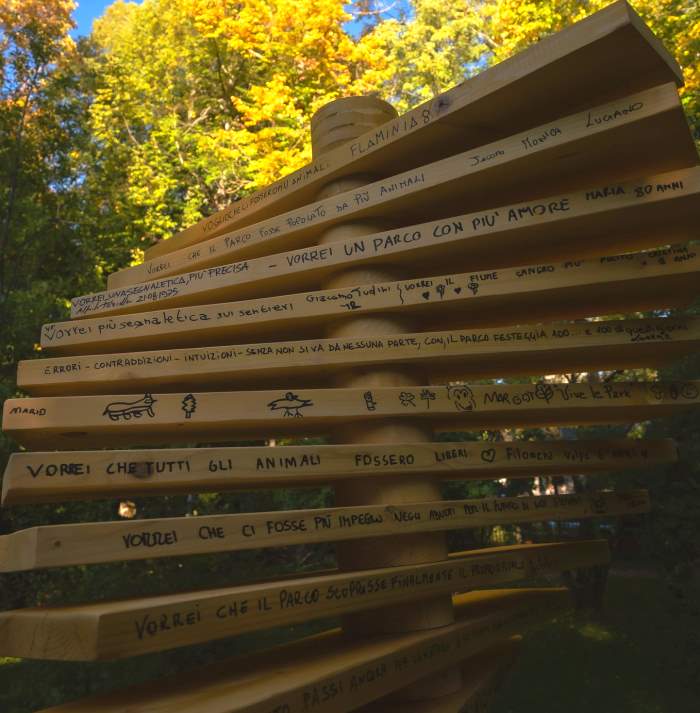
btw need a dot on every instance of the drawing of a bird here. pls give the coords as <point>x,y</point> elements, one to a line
<point>290,404</point>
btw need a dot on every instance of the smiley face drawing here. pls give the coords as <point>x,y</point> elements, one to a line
<point>689,391</point>
<point>462,397</point>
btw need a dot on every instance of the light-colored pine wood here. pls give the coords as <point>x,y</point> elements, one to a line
<point>118,629</point>
<point>346,119</point>
<point>600,144</point>
<point>99,630</point>
<point>582,288</point>
<point>607,55</point>
<point>80,422</point>
<point>417,548</point>
<point>603,219</point>
<point>71,475</point>
<point>455,354</point>
<point>93,542</point>
<point>481,674</point>
<point>331,674</point>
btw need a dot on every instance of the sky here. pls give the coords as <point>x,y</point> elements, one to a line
<point>89,10</point>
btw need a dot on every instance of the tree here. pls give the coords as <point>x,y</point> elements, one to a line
<point>44,254</point>
<point>169,111</point>
<point>514,25</point>
<point>219,104</point>
<point>434,45</point>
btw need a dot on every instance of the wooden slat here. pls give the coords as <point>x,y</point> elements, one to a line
<point>607,55</point>
<point>640,134</point>
<point>90,543</point>
<point>458,354</point>
<point>81,422</point>
<point>117,629</point>
<point>70,475</point>
<point>333,674</point>
<point>481,676</point>
<point>616,217</point>
<point>583,288</point>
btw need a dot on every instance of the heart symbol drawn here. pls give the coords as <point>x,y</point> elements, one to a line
<point>458,290</point>
<point>426,295</point>
<point>489,455</point>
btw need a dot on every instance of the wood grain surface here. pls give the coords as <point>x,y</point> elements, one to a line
<point>117,629</point>
<point>70,475</point>
<point>330,673</point>
<point>92,542</point>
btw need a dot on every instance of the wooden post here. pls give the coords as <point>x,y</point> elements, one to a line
<point>336,123</point>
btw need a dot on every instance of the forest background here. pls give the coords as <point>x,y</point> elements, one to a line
<point>166,112</point>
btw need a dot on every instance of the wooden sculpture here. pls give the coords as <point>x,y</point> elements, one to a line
<point>482,235</point>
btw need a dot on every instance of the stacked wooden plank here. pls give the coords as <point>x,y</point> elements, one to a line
<point>333,674</point>
<point>496,231</point>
